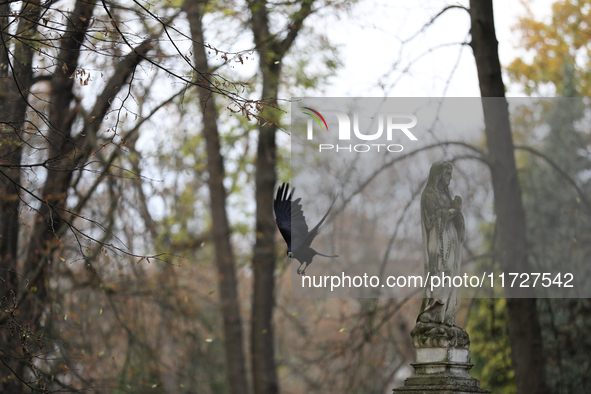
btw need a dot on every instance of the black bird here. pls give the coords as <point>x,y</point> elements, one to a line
<point>292,225</point>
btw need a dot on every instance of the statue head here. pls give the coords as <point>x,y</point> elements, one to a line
<point>440,172</point>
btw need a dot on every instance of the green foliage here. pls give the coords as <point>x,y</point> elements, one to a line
<point>488,324</point>
<point>489,345</point>
<point>557,222</point>
<point>563,41</point>
<point>310,65</point>
<point>302,74</point>
<point>283,164</point>
<point>565,328</point>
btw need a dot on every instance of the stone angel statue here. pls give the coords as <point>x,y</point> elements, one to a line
<point>442,225</point>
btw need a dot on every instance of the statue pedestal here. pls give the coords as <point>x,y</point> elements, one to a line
<point>443,362</point>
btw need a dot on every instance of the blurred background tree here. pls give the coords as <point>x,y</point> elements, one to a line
<point>557,213</point>
<point>563,40</point>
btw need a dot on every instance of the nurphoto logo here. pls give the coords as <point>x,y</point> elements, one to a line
<point>392,123</point>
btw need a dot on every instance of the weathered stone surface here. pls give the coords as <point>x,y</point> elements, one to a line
<point>442,225</point>
<point>435,335</point>
<point>442,377</point>
<point>433,355</point>
<point>443,362</point>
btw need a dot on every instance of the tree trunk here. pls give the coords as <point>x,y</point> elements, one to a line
<point>264,259</point>
<point>15,74</point>
<point>15,79</point>
<point>220,231</point>
<point>47,230</point>
<point>524,328</point>
<point>262,345</point>
<point>271,53</point>
<point>66,154</point>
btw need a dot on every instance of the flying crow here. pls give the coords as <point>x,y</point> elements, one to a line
<point>292,225</point>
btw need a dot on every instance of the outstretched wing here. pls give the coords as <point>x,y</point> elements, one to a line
<point>299,227</point>
<point>282,208</point>
<point>314,232</point>
<point>290,217</point>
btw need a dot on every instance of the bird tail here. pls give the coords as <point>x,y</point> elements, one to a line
<point>325,255</point>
